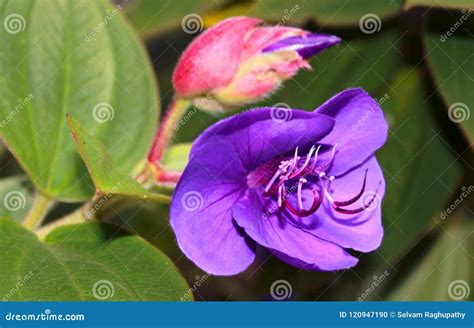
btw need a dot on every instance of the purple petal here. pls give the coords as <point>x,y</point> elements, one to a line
<point>306,45</point>
<point>259,135</point>
<point>216,176</point>
<point>296,246</point>
<point>362,231</point>
<point>201,216</point>
<point>360,128</point>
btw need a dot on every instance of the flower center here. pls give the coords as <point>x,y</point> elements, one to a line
<point>297,172</point>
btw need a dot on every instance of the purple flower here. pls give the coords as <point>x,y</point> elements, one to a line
<point>305,185</point>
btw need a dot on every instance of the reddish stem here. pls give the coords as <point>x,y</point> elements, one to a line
<point>165,132</point>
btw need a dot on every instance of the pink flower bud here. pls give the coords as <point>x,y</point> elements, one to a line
<point>238,61</point>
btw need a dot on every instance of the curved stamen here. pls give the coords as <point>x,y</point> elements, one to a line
<point>328,164</point>
<point>281,196</point>
<point>354,199</point>
<point>308,158</point>
<point>289,170</point>
<point>362,208</point>
<point>272,180</point>
<point>295,161</point>
<point>299,196</point>
<point>317,200</point>
<point>311,168</point>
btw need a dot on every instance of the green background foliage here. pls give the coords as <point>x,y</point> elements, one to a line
<point>100,62</point>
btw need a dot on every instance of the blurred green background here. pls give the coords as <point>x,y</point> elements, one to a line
<point>417,58</point>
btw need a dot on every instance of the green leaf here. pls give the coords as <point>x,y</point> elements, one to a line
<point>16,197</point>
<point>412,175</point>
<point>107,176</point>
<point>447,4</point>
<point>325,12</point>
<point>451,61</point>
<point>176,157</point>
<point>158,16</point>
<point>79,57</point>
<point>89,261</point>
<point>446,271</point>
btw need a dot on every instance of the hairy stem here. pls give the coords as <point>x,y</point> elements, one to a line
<point>38,211</point>
<point>73,218</point>
<point>165,132</point>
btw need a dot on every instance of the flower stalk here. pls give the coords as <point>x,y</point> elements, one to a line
<point>38,211</point>
<point>75,217</point>
<point>166,131</point>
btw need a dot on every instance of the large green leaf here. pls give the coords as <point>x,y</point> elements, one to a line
<point>451,60</point>
<point>84,262</point>
<point>446,271</point>
<point>153,17</point>
<point>419,169</point>
<point>62,56</point>
<point>107,177</point>
<point>16,197</point>
<point>326,12</point>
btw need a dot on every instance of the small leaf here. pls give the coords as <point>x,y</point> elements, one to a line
<point>72,56</point>
<point>446,271</point>
<point>89,262</point>
<point>176,157</point>
<point>107,177</point>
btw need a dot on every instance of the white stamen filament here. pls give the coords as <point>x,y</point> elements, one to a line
<point>272,180</point>
<point>280,195</point>
<point>308,158</point>
<point>299,196</point>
